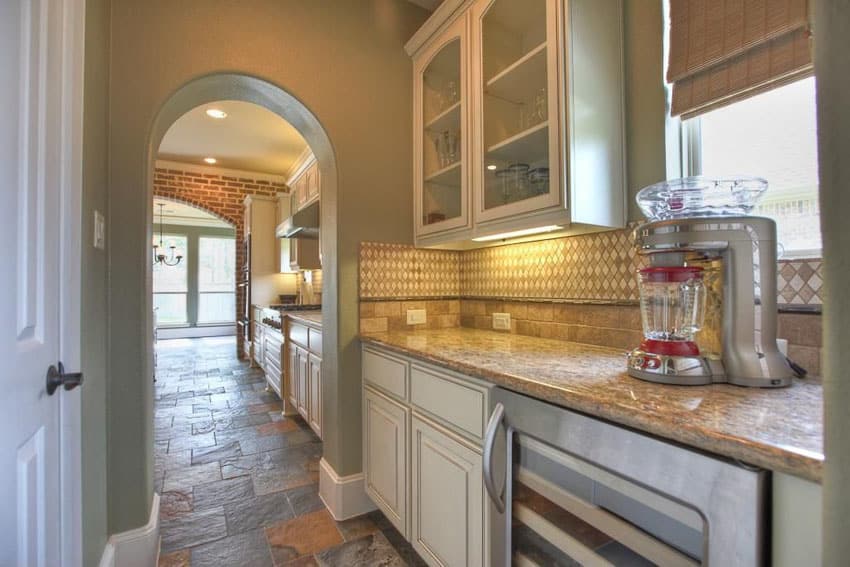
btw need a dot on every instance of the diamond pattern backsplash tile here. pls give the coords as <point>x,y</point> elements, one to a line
<point>402,271</point>
<point>800,282</point>
<point>599,267</point>
<point>594,267</point>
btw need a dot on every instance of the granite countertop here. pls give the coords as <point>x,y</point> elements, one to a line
<point>313,318</point>
<point>780,430</point>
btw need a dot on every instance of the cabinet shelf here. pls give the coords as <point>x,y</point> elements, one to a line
<point>519,81</point>
<point>447,119</point>
<point>449,175</point>
<point>528,146</point>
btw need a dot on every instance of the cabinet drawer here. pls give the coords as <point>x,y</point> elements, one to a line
<point>299,334</point>
<point>459,404</point>
<point>385,372</point>
<point>315,341</point>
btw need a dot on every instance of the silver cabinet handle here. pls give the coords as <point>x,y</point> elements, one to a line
<point>497,496</point>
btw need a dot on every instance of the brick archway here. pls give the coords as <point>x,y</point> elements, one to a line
<point>220,195</point>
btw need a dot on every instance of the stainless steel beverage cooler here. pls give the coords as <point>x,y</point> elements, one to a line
<point>569,489</point>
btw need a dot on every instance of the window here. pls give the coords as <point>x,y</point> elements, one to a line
<point>770,135</point>
<point>171,283</point>
<point>216,279</point>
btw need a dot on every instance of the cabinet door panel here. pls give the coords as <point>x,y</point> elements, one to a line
<point>303,386</point>
<point>292,376</point>
<point>385,456</point>
<point>447,498</point>
<point>516,114</point>
<point>315,420</point>
<point>441,136</point>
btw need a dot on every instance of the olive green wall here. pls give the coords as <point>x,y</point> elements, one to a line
<point>645,97</point>
<point>93,344</point>
<point>345,61</point>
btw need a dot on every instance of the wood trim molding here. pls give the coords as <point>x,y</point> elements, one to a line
<point>135,548</point>
<point>442,17</point>
<point>344,497</point>
<point>300,165</point>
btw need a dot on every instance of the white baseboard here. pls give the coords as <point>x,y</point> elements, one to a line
<point>344,496</point>
<point>135,548</point>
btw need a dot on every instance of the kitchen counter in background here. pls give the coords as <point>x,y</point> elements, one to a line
<point>313,318</point>
<point>780,430</point>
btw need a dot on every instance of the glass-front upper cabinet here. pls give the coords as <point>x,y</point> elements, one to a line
<point>440,136</point>
<point>516,112</point>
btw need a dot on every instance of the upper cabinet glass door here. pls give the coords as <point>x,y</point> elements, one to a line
<point>442,194</point>
<point>517,94</point>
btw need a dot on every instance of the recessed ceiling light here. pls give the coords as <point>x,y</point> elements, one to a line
<point>216,113</point>
<point>210,160</point>
<point>492,167</point>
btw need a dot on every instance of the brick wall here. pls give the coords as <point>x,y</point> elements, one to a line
<point>220,193</point>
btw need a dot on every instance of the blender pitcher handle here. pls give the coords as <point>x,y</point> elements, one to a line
<point>497,496</point>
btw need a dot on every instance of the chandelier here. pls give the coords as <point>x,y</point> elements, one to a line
<point>158,256</point>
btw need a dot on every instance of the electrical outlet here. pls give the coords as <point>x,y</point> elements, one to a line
<point>99,237</point>
<point>416,317</point>
<point>502,321</point>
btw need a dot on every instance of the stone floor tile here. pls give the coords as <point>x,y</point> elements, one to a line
<point>191,442</point>
<point>277,427</point>
<point>247,549</point>
<point>305,499</point>
<point>403,547</point>
<point>188,477</point>
<point>355,528</point>
<point>174,503</point>
<point>304,535</point>
<point>215,453</point>
<point>222,492</point>
<point>192,529</point>
<point>174,559</point>
<point>257,512</point>
<point>370,551</point>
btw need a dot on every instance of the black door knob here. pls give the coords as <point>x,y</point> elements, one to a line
<point>56,376</point>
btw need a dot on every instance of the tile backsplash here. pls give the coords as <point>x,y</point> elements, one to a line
<point>580,288</point>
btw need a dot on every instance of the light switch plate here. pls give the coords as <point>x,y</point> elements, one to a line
<point>99,236</point>
<point>502,321</point>
<point>416,317</point>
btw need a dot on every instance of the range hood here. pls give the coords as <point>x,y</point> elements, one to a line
<point>303,224</point>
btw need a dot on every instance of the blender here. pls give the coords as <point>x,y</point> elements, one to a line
<point>706,255</point>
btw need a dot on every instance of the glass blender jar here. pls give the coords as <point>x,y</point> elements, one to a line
<point>672,305</point>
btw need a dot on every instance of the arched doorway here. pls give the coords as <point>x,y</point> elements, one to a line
<point>230,86</point>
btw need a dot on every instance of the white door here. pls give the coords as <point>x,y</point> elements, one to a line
<point>40,165</point>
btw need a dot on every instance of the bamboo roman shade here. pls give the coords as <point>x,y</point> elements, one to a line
<point>725,50</point>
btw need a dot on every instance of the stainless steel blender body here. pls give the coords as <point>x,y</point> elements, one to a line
<point>746,246</point>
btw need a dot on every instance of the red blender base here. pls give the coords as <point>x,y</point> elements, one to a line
<point>669,348</point>
<point>669,362</point>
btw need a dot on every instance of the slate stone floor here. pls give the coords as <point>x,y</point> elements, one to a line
<point>238,481</point>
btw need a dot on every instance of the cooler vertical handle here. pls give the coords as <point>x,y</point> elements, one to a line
<point>497,496</point>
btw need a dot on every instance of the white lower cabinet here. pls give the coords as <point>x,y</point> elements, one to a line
<point>447,525</point>
<point>422,456</point>
<point>292,374</point>
<point>385,456</point>
<point>301,376</point>
<point>314,418</point>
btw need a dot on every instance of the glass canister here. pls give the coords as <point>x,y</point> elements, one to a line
<point>672,301</point>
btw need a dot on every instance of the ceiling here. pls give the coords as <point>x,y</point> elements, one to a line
<point>184,215</point>
<point>249,138</point>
